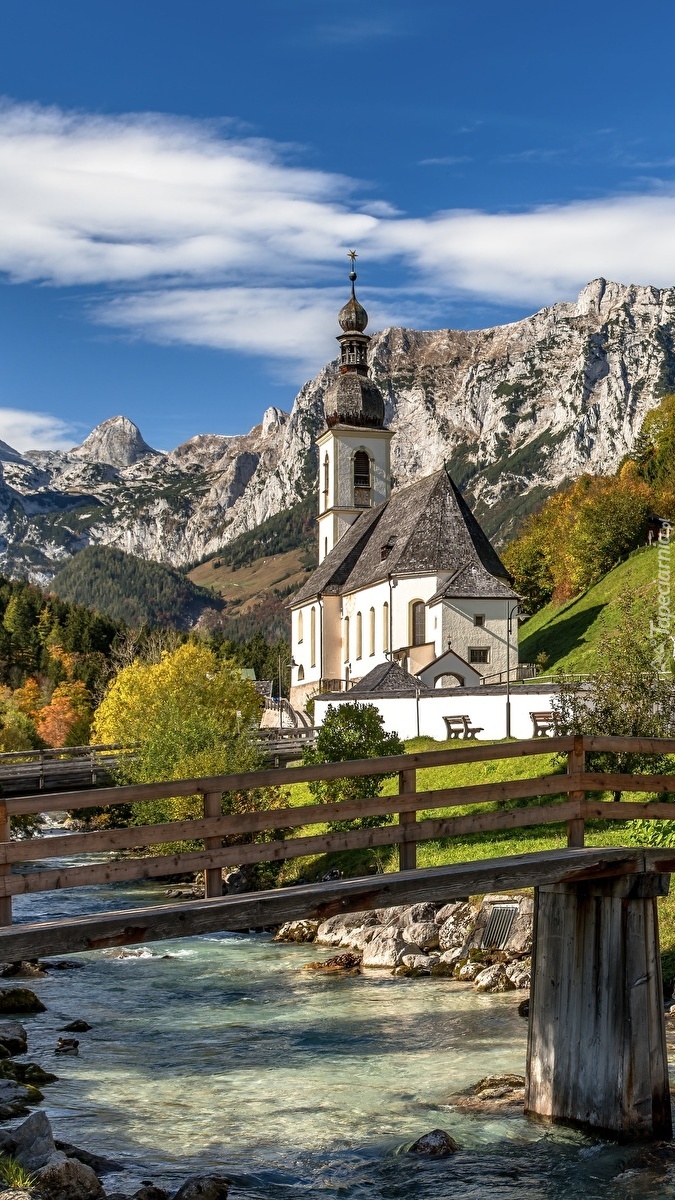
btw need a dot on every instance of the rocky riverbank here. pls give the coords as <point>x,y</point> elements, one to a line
<point>33,1164</point>
<point>488,944</point>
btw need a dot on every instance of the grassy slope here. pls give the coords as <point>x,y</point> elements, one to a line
<point>243,587</point>
<point>570,633</point>
<point>447,850</point>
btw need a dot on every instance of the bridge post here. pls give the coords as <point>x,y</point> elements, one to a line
<point>596,1053</point>
<point>213,876</point>
<point>576,764</point>
<point>407,850</point>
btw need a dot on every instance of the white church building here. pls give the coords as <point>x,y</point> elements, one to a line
<point>405,576</point>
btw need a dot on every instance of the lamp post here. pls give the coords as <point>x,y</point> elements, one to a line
<point>510,614</point>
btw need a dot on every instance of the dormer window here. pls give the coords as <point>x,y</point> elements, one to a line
<point>362,484</point>
<point>386,550</point>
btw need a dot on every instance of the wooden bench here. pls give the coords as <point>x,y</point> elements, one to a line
<point>542,723</point>
<point>461,727</point>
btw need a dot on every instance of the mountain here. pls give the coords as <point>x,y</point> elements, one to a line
<point>516,411</point>
<point>130,589</point>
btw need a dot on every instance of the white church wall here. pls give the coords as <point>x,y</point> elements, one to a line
<point>406,590</point>
<point>400,713</point>
<point>461,632</point>
<point>375,597</point>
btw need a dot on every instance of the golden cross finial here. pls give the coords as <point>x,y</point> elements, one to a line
<point>352,255</point>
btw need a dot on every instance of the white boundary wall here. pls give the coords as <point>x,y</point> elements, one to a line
<point>409,717</point>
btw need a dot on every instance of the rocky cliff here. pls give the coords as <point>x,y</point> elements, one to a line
<point>515,411</point>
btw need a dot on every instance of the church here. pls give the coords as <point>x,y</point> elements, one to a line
<point>405,576</point>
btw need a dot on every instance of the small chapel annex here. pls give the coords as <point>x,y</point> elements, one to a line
<point>406,576</point>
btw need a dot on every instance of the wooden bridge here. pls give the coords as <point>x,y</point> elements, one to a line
<point>596,1047</point>
<point>68,767</point>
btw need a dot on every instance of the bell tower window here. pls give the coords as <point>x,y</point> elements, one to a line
<point>417,622</point>
<point>326,469</point>
<point>362,484</point>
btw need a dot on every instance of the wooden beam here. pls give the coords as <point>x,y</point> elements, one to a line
<point>259,910</point>
<point>140,836</point>
<point>299,847</point>
<point>601,781</point>
<point>407,850</point>
<point>101,797</point>
<point>628,810</point>
<point>576,762</point>
<point>636,745</point>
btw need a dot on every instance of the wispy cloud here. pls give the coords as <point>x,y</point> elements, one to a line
<point>25,430</point>
<point>448,160</point>
<point>354,29</point>
<point>193,232</point>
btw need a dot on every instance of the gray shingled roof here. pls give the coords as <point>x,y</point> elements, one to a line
<point>388,677</point>
<point>430,530</point>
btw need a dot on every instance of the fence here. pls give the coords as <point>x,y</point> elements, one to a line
<point>213,826</point>
<point>64,767</point>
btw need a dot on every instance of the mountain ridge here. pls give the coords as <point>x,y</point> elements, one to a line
<point>515,411</point>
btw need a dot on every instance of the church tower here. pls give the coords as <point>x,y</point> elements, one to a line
<point>354,450</point>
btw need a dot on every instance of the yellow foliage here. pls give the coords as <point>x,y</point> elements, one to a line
<point>29,699</point>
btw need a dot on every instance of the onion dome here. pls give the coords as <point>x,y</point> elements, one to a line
<point>354,399</point>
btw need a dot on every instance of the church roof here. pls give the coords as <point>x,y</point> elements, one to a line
<point>388,677</point>
<point>424,529</point>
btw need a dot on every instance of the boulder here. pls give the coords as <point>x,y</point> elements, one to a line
<point>457,924</point>
<point>421,933</point>
<point>15,1098</point>
<point>204,1187</point>
<point>149,1191</point>
<point>297,931</point>
<point>62,964</point>
<point>387,916</point>
<point>23,970</point>
<point>339,962</point>
<point>519,975</point>
<point>425,911</point>
<point>524,1009</point>
<point>26,1073</point>
<point>446,963</point>
<point>68,1179</point>
<point>420,962</point>
<point>469,971</point>
<point>34,1144</point>
<point>13,1037</point>
<point>334,931</point>
<point>492,1094</point>
<point>20,1000</point>
<point>437,1144</point>
<point>76,1027</point>
<point>494,979</point>
<point>98,1162</point>
<point>14,1194</point>
<point>387,951</point>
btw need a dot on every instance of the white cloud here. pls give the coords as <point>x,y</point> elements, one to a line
<point>35,431</point>
<point>208,237</point>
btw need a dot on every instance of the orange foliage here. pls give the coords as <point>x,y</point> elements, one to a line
<point>29,698</point>
<point>69,704</point>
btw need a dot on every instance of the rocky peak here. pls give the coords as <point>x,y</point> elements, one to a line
<point>273,419</point>
<point>117,442</point>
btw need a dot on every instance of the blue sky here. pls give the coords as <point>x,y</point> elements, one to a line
<point>179,185</point>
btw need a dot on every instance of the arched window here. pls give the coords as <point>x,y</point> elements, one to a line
<point>312,637</point>
<point>325,547</point>
<point>345,641</point>
<point>301,673</point>
<point>385,626</point>
<point>300,633</point>
<point>359,636</point>
<point>371,638</point>
<point>361,479</point>
<point>326,469</point>
<point>417,623</point>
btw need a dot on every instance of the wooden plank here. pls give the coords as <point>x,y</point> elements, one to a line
<point>213,876</point>
<point>600,781</point>
<point>140,836</point>
<point>407,851</point>
<point>299,847</point>
<point>628,810</point>
<point>101,797</point>
<point>259,910</point>
<point>638,745</point>
<point>576,763</point>
<point>5,901</point>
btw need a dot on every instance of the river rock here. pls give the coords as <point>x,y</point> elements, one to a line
<point>23,970</point>
<point>26,1073</point>
<point>387,950</point>
<point>458,922</point>
<point>297,931</point>
<point>437,1144</point>
<point>15,1098</point>
<point>34,1144</point>
<point>16,1194</point>
<point>150,1191</point>
<point>387,916</point>
<point>494,979</point>
<point>68,1180</point>
<point>446,963</point>
<point>20,1000</point>
<point>524,1009</point>
<point>13,1037</point>
<point>469,971</point>
<point>340,962</point>
<point>204,1187</point>
<point>420,962</point>
<point>425,911</point>
<point>62,964</point>
<point>98,1163</point>
<point>76,1027</point>
<point>519,975</point>
<point>421,933</point>
<point>334,931</point>
<point>491,1094</point>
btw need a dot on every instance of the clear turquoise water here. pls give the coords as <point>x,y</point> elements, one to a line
<point>225,1056</point>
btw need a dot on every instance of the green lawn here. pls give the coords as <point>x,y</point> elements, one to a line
<point>570,634</point>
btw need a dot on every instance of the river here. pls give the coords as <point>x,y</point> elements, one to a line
<point>220,1054</point>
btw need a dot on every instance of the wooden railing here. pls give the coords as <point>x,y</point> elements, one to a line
<point>213,826</point>
<point>57,768</point>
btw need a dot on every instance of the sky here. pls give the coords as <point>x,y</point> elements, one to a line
<point>180,184</point>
